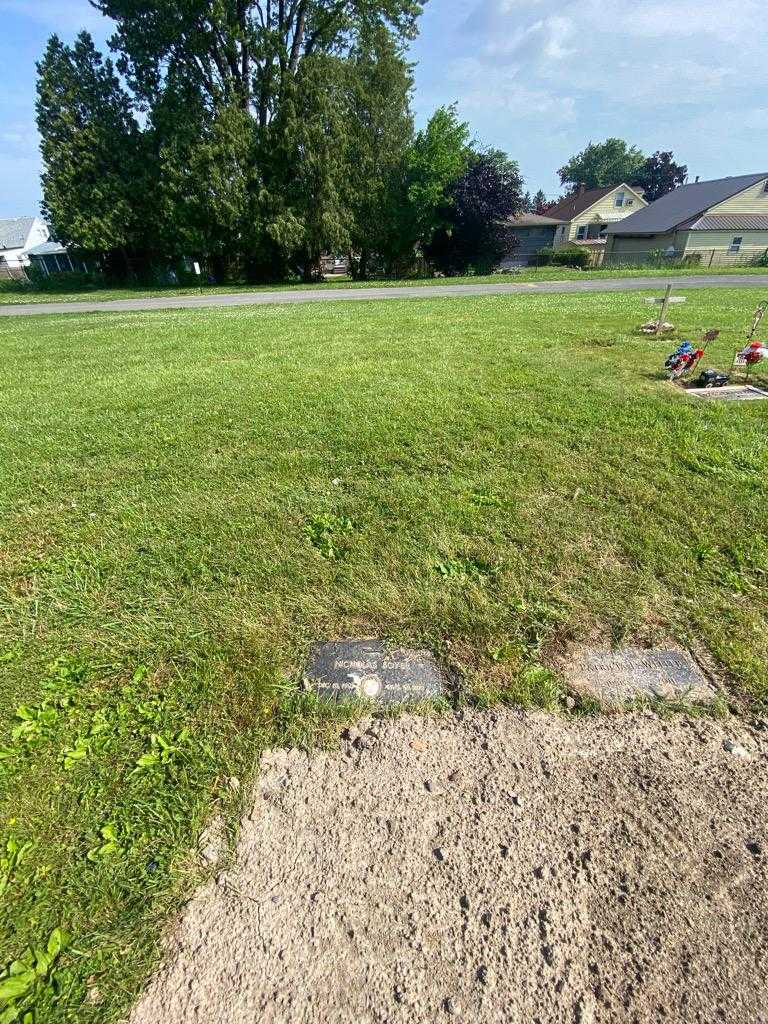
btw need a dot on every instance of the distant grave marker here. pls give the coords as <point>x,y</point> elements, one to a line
<point>620,676</point>
<point>673,300</point>
<point>661,325</point>
<point>372,670</point>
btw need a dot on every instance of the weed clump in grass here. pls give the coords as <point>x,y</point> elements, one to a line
<point>329,534</point>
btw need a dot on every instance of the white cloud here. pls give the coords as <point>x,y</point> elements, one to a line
<point>558,33</point>
<point>727,20</point>
<point>499,89</point>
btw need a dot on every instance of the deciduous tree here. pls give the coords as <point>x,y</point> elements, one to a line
<point>659,175</point>
<point>478,233</point>
<point>602,164</point>
<point>440,154</point>
<point>241,51</point>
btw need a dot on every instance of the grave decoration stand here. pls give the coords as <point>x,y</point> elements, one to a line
<point>661,325</point>
<point>754,351</point>
<point>685,359</point>
<point>756,320</point>
<point>749,357</point>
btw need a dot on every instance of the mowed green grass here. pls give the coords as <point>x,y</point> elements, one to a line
<point>10,296</point>
<point>189,499</point>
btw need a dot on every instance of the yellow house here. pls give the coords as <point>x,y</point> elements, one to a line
<point>708,222</point>
<point>587,215</point>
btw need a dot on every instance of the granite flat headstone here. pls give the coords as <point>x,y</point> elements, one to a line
<point>730,393</point>
<point>619,676</point>
<point>372,670</point>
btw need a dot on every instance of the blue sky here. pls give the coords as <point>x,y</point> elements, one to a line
<point>537,78</point>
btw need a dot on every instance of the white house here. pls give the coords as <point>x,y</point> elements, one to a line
<point>17,237</point>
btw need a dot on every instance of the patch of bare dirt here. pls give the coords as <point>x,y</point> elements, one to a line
<point>491,867</point>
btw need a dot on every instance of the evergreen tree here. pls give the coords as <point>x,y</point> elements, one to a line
<point>245,149</point>
<point>94,160</point>
<point>380,131</point>
<point>540,203</point>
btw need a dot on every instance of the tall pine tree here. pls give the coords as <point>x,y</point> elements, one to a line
<point>94,183</point>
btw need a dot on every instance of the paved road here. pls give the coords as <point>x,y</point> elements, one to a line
<point>261,298</point>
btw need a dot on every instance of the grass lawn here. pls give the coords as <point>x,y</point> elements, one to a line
<point>188,499</point>
<point>521,277</point>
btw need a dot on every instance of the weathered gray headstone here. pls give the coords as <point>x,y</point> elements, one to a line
<point>619,676</point>
<point>372,670</point>
<point>731,393</point>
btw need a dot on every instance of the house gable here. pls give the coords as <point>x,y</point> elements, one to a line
<point>605,208</point>
<point>752,200</point>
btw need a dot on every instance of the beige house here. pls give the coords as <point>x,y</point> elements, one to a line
<point>586,216</point>
<point>722,221</point>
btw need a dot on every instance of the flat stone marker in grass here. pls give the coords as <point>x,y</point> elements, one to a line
<point>373,670</point>
<point>730,393</point>
<point>619,676</point>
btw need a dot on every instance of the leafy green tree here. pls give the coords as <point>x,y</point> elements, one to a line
<point>93,154</point>
<point>380,131</point>
<point>303,161</point>
<point>478,233</point>
<point>602,164</point>
<point>659,175</point>
<point>242,51</point>
<point>438,157</point>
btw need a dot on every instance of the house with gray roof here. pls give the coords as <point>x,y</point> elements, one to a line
<point>533,232</point>
<point>17,237</point>
<point>711,222</point>
<point>580,218</point>
<point>587,215</point>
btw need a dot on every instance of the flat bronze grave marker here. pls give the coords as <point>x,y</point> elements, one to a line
<point>373,670</point>
<point>619,676</point>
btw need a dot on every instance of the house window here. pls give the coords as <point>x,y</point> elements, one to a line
<point>581,232</point>
<point>620,199</point>
<point>765,187</point>
<point>630,202</point>
<point>735,245</point>
<point>604,229</point>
